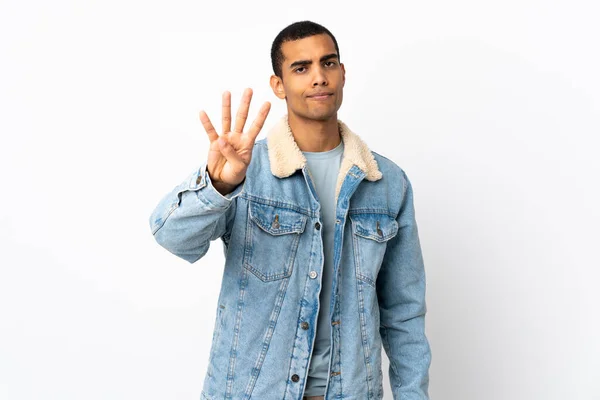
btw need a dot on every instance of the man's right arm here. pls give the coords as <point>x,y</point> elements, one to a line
<point>192,215</point>
<point>198,212</point>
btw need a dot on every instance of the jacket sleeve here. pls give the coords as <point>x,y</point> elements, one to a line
<point>193,214</point>
<point>401,296</point>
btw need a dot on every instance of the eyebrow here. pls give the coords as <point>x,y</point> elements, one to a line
<point>308,62</point>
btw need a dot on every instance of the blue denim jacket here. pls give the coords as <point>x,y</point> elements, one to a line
<point>269,299</point>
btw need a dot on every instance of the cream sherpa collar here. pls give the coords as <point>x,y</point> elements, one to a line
<point>285,157</point>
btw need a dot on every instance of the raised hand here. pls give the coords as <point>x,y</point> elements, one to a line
<point>230,153</point>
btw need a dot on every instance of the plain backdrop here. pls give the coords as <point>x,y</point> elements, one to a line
<point>491,107</point>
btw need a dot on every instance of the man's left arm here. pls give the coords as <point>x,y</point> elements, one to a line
<point>401,296</point>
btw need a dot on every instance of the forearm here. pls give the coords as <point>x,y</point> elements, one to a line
<point>401,287</point>
<point>192,215</point>
<point>408,350</point>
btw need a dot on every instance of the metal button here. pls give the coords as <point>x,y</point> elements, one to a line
<point>379,229</point>
<point>318,226</point>
<point>295,378</point>
<point>304,325</point>
<point>313,274</point>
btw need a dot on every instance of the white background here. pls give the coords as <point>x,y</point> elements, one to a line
<point>492,109</point>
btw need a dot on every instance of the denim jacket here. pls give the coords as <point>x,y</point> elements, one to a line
<point>269,299</point>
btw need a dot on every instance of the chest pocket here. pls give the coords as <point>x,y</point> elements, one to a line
<point>371,232</point>
<point>272,237</point>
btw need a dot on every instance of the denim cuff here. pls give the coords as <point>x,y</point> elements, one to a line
<point>200,181</point>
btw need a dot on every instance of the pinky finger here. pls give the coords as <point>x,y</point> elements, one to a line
<point>208,127</point>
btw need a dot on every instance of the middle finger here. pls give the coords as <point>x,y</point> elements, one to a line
<point>242,114</point>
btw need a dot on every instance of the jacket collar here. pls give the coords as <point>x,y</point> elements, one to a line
<point>285,157</point>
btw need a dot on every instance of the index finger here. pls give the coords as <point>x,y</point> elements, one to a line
<point>259,122</point>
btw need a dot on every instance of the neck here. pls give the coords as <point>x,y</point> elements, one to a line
<point>315,136</point>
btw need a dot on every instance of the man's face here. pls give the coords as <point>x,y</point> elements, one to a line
<point>313,78</point>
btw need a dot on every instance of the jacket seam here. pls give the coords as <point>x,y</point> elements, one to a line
<point>279,204</point>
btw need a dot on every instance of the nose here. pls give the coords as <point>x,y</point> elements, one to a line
<point>320,78</point>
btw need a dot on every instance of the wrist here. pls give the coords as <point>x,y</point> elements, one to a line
<point>223,188</point>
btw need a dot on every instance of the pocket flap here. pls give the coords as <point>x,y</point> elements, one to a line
<point>277,220</point>
<point>378,227</point>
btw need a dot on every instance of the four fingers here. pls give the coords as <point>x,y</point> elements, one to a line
<point>234,161</point>
<point>240,119</point>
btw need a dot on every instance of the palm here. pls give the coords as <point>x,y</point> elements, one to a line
<point>226,170</point>
<point>228,161</point>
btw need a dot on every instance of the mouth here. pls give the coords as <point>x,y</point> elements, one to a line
<point>320,96</point>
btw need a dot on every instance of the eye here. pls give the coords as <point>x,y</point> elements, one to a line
<point>300,69</point>
<point>330,63</point>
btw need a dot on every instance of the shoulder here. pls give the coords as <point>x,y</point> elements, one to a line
<point>260,144</point>
<point>260,149</point>
<point>391,170</point>
<point>260,156</point>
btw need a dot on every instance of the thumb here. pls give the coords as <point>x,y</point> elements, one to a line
<point>229,152</point>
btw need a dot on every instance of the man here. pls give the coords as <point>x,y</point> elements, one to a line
<point>323,262</point>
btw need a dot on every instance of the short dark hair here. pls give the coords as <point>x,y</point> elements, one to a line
<point>296,31</point>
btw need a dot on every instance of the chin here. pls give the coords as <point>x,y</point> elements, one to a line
<point>323,116</point>
<point>316,115</point>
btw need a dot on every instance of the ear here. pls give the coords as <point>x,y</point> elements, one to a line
<point>277,86</point>
<point>343,72</point>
